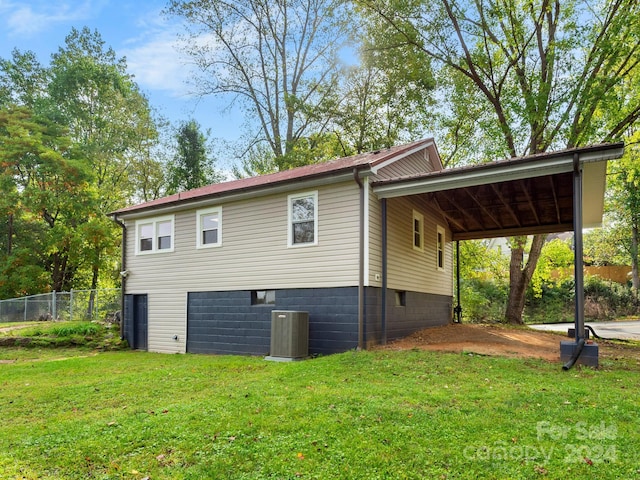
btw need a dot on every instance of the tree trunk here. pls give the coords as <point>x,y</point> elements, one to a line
<point>92,293</point>
<point>520,275</point>
<point>635,276</point>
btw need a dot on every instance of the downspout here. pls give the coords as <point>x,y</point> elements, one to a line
<point>577,261</point>
<point>361,339</point>
<point>458,309</point>
<point>123,275</point>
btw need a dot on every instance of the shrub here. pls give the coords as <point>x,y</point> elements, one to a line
<point>606,299</point>
<point>483,300</point>
<point>552,303</point>
<point>80,328</point>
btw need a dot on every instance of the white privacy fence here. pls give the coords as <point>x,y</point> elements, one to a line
<point>101,304</point>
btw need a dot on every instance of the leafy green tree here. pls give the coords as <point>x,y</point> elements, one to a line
<point>258,160</point>
<point>192,166</point>
<point>381,103</point>
<point>547,75</point>
<point>23,79</point>
<point>46,185</point>
<point>624,182</point>
<point>74,135</point>
<point>484,271</point>
<point>554,266</point>
<point>110,122</point>
<point>107,116</point>
<point>609,245</point>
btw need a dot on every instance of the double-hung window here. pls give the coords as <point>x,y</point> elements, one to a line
<point>209,227</point>
<point>154,235</point>
<point>303,219</point>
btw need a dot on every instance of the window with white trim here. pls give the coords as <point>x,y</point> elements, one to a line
<point>154,235</point>
<point>418,228</point>
<point>303,219</point>
<point>440,242</point>
<point>209,227</point>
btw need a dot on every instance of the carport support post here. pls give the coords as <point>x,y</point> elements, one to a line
<point>383,319</point>
<point>578,259</point>
<point>570,352</point>
<point>458,309</point>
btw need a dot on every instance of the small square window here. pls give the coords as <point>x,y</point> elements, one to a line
<point>263,297</point>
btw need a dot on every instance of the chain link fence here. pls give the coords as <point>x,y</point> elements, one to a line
<point>89,305</point>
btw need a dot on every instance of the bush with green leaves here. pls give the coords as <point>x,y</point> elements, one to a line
<point>605,299</point>
<point>551,303</point>
<point>483,300</point>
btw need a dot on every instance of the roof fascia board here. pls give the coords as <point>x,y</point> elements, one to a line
<point>236,196</point>
<point>386,163</point>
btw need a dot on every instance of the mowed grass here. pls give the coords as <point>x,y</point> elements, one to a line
<point>365,415</point>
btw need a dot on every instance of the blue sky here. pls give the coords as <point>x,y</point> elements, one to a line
<point>135,29</point>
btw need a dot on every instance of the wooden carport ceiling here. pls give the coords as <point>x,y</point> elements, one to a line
<point>537,205</point>
<point>519,196</point>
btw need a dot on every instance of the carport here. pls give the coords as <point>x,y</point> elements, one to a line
<point>544,193</point>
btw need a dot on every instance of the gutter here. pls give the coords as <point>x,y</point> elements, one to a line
<point>361,339</point>
<point>123,271</point>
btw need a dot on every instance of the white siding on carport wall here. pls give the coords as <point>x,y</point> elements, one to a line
<point>409,269</point>
<point>254,255</point>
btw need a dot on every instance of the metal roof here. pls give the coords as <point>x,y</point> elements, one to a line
<point>270,182</point>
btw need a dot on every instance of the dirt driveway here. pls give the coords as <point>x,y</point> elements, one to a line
<point>500,341</point>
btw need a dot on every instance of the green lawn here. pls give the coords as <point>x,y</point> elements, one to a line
<point>368,415</point>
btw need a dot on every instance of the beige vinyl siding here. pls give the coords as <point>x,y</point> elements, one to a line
<point>415,163</point>
<point>411,269</point>
<point>167,310</point>
<point>254,255</point>
<point>375,242</point>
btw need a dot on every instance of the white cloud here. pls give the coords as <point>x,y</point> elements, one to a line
<point>157,64</point>
<point>29,19</point>
<point>156,58</point>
